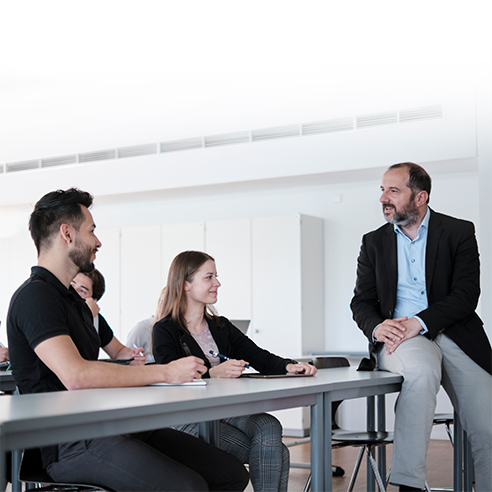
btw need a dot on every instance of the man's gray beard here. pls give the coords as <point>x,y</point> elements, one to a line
<point>405,221</point>
<point>408,218</point>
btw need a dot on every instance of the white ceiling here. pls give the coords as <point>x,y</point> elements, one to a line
<point>83,76</point>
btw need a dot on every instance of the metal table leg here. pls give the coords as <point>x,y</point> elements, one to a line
<point>318,432</point>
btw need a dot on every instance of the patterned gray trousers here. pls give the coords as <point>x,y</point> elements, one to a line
<point>256,440</point>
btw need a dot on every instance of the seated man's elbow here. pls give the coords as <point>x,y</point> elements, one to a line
<point>77,380</point>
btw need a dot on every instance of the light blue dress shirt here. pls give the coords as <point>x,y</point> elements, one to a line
<point>411,294</point>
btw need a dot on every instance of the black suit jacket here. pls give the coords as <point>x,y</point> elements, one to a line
<point>168,338</point>
<point>452,271</point>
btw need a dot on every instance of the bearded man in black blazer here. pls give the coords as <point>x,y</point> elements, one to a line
<point>418,284</point>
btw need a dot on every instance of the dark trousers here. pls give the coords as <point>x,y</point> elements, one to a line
<point>161,460</point>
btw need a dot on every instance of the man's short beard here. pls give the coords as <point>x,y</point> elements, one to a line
<point>81,257</point>
<point>406,217</point>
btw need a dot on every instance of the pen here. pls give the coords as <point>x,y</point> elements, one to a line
<point>223,357</point>
<point>140,353</point>
<point>186,348</point>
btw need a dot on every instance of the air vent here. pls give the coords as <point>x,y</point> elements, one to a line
<point>377,119</point>
<point>329,126</point>
<point>137,150</point>
<point>21,166</point>
<point>419,114</point>
<point>184,144</point>
<point>276,132</point>
<point>59,161</point>
<point>306,129</point>
<point>100,155</point>
<point>227,139</point>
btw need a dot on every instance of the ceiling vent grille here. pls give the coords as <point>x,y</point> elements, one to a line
<point>423,113</point>
<point>226,139</point>
<point>136,150</point>
<point>21,166</point>
<point>275,132</point>
<point>100,155</point>
<point>377,119</point>
<point>329,126</point>
<point>59,161</point>
<point>419,114</point>
<point>184,144</point>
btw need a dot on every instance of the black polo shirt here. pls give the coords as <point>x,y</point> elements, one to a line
<point>43,308</point>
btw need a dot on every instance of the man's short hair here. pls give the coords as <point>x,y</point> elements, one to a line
<point>98,283</point>
<point>418,178</point>
<point>54,209</point>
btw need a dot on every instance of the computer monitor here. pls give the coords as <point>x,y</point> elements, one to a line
<point>242,324</point>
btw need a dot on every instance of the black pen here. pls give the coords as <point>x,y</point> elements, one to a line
<point>223,357</point>
<point>186,348</point>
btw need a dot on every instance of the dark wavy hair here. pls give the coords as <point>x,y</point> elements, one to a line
<point>98,283</point>
<point>418,179</point>
<point>54,209</point>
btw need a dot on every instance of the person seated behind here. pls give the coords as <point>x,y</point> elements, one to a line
<point>91,287</point>
<point>140,334</point>
<point>4,353</point>
<point>190,326</point>
<point>53,347</point>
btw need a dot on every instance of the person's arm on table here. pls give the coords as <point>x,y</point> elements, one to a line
<point>62,357</point>
<point>116,350</point>
<point>300,368</point>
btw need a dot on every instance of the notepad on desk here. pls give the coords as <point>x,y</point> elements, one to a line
<point>257,375</point>
<point>195,382</point>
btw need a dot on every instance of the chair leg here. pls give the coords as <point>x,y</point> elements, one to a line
<point>308,483</point>
<point>353,478</point>
<point>449,433</point>
<point>375,471</point>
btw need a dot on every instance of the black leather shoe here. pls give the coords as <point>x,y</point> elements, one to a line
<point>407,488</point>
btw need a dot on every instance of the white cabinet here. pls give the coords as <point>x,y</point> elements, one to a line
<point>229,243</point>
<point>288,284</point>
<point>175,239</point>
<point>288,294</point>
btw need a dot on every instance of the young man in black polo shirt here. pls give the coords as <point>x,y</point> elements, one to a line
<point>54,347</point>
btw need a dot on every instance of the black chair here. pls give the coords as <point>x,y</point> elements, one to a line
<point>32,473</point>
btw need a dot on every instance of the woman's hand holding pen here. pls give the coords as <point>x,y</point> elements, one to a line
<point>302,367</point>
<point>138,353</point>
<point>228,369</point>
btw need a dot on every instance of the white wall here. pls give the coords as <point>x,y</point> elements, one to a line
<point>349,209</point>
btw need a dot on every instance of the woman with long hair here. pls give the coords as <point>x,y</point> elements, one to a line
<point>190,326</point>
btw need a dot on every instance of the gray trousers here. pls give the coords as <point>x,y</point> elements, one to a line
<point>256,440</point>
<point>425,365</point>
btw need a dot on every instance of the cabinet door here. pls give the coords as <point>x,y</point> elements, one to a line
<point>140,275</point>
<point>177,238</point>
<point>229,242</point>
<point>108,263</point>
<point>276,315</point>
<point>5,288</point>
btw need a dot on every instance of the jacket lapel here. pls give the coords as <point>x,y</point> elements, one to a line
<point>433,236</point>
<point>390,260</point>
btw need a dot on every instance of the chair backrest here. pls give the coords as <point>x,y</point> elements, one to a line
<point>330,362</point>
<point>31,471</point>
<point>31,468</point>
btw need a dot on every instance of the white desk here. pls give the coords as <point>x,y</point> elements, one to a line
<point>50,418</point>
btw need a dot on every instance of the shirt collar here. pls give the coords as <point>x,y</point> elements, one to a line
<point>51,279</point>
<point>424,226</point>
